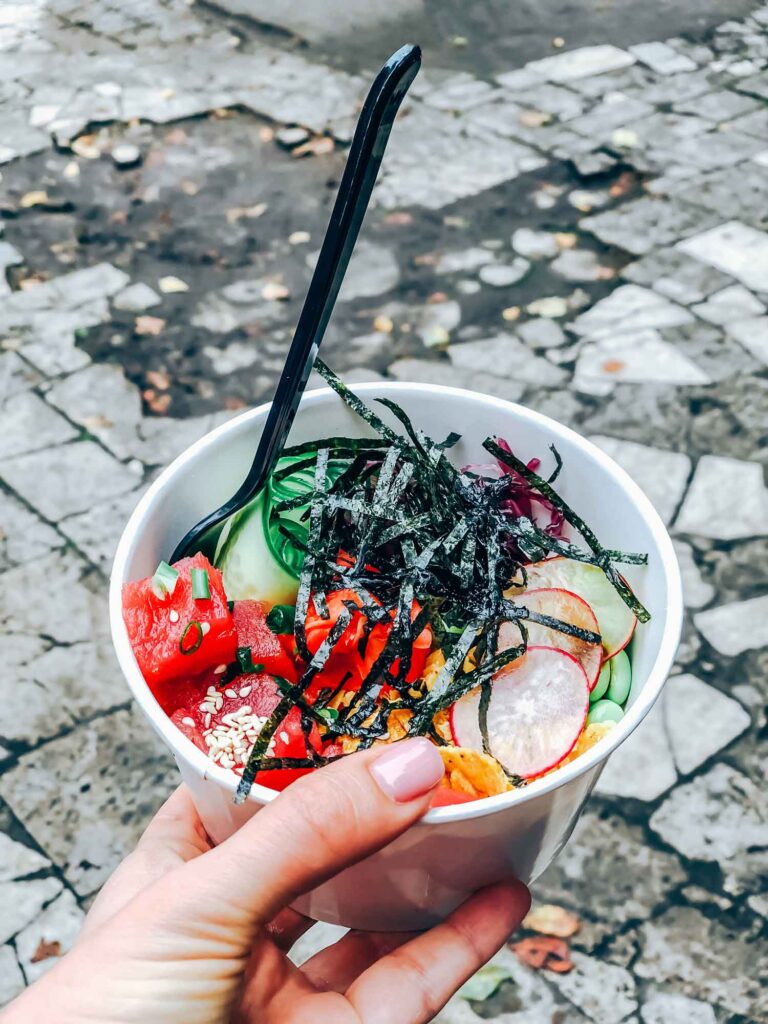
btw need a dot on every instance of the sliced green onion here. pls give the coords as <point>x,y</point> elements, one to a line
<point>281,618</point>
<point>195,628</point>
<point>164,580</point>
<point>201,590</point>
<point>331,714</point>
<point>245,661</point>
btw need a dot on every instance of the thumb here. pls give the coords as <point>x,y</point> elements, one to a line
<point>321,824</point>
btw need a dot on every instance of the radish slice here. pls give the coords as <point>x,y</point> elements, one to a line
<point>568,607</point>
<point>617,623</point>
<point>536,713</point>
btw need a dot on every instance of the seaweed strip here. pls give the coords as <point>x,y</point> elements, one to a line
<point>313,543</point>
<point>356,404</point>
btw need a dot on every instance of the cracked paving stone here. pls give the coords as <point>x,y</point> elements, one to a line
<point>65,609</point>
<point>50,343</point>
<point>163,438</point>
<point>373,270</point>
<point>732,303</point>
<point>18,860</point>
<point>579,265</point>
<point>672,1008</point>
<point>506,356</point>
<point>541,333</point>
<point>16,376</point>
<point>644,357</point>
<point>60,688</point>
<point>644,224</point>
<point>584,874</point>
<point>615,111</point>
<point>662,59</point>
<point>111,776</point>
<point>238,355</point>
<point>722,818</point>
<point>735,628</point>
<point>752,335</point>
<point>581,63</point>
<point>643,767</point>
<point>68,292</point>
<point>678,277</point>
<point>70,478</point>
<point>628,309</point>
<point>663,475</point>
<point>136,297</point>
<point>101,400</point>
<point>11,979</point>
<point>696,592</point>
<point>736,249</point>
<point>427,371</point>
<point>606,993</point>
<point>714,191</point>
<point>719,720</point>
<point>21,902</point>
<point>727,500</point>
<point>719,106</point>
<point>59,923</point>
<point>23,535</point>
<point>705,959</point>
<point>27,424</point>
<point>97,531</point>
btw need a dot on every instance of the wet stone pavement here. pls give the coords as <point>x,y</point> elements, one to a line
<point>586,233</point>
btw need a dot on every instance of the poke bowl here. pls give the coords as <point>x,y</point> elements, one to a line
<point>540,779</point>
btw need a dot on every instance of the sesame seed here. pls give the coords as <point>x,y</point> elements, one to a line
<point>173,615</point>
<point>205,628</point>
<point>219,670</point>
<point>187,720</point>
<point>245,691</point>
<point>207,720</point>
<point>285,737</point>
<point>229,692</point>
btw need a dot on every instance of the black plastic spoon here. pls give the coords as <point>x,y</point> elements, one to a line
<point>363,162</point>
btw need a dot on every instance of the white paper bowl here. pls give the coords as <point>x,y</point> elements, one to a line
<point>454,850</point>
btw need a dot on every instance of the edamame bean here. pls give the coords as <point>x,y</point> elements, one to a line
<point>621,678</point>
<point>602,684</point>
<point>604,711</point>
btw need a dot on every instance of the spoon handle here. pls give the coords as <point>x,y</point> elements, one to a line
<point>365,155</point>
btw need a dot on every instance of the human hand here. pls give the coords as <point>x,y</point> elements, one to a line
<point>187,932</point>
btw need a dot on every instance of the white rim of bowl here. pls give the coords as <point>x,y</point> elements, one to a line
<point>261,795</point>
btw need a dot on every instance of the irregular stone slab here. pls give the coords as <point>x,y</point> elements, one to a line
<point>18,860</point>
<point>735,628</point>
<point>100,399</point>
<point>696,592</point>
<point>584,875</point>
<point>541,333</point>
<point>111,776</point>
<point>704,959</point>
<point>23,535</point>
<point>136,297</point>
<point>644,224</point>
<point>714,189</point>
<point>19,138</point>
<point>734,248</point>
<point>535,245</point>
<point>59,923</point>
<point>580,265</point>
<point>721,105</point>
<point>581,63</point>
<point>720,817</point>
<point>431,162</point>
<point>67,292</point>
<point>50,342</point>
<point>661,474</point>
<point>507,356</point>
<point>11,979</point>
<point>616,111</point>
<point>65,608</point>
<point>27,423</point>
<point>464,261</point>
<point>731,303</point>
<point>373,270</point>
<point>426,371</point>
<point>97,531</point>
<point>672,1008</point>
<point>238,355</point>
<point>642,767</point>
<point>662,59</point>
<point>628,309</point>
<point>752,334</point>
<point>67,479</point>
<point>164,438</point>
<point>681,278</point>
<point>606,993</point>
<point>633,358</point>
<point>21,902</point>
<point>700,720</point>
<point>16,375</point>
<point>502,275</point>
<point>727,500</point>
<point>458,93</point>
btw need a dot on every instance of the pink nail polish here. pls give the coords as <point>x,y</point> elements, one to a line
<point>408,769</point>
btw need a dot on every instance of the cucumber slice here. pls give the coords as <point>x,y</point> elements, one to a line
<point>617,623</point>
<point>248,564</point>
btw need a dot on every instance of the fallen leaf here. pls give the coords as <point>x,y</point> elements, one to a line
<point>605,273</point>
<point>452,221</point>
<point>32,281</point>
<point>484,983</point>
<point>384,324</point>
<point>274,291</point>
<point>158,379</point>
<point>159,404</point>
<point>45,950</point>
<point>558,42</point>
<point>72,170</point>
<point>624,138</point>
<point>87,146</point>
<point>511,313</point>
<point>97,422</point>
<point>167,94</point>
<point>189,188</point>
<point>400,218</point>
<point>176,137</point>
<point>426,259</point>
<point>170,285</point>
<point>266,134</point>
<point>625,182</point>
<point>299,237</point>
<point>549,919</point>
<point>236,213</point>
<point>38,197</point>
<point>234,403</point>
<point>565,239</point>
<point>534,118</point>
<point>149,325</point>
<point>544,954</point>
<point>436,297</point>
<point>222,113</point>
<point>118,217</point>
<point>318,146</point>
<point>613,365</point>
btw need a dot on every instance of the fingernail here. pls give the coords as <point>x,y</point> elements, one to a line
<point>408,769</point>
